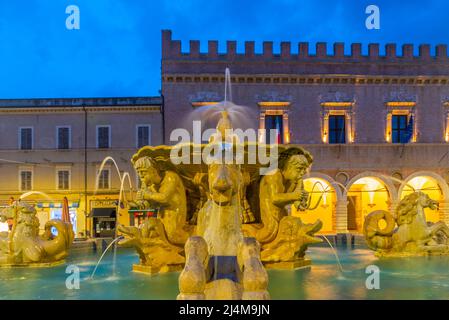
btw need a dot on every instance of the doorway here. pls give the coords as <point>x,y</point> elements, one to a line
<point>352,213</point>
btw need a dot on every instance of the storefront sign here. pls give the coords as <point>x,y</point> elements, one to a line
<point>108,203</point>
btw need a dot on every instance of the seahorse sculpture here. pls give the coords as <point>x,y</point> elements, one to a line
<point>407,233</point>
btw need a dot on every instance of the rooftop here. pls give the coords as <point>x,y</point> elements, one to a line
<point>80,102</point>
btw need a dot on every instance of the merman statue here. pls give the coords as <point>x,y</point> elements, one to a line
<point>285,238</point>
<point>165,191</point>
<point>160,240</point>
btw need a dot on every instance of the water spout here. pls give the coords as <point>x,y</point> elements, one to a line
<point>335,253</point>
<point>29,193</point>
<point>228,90</point>
<point>103,163</point>
<point>104,252</point>
<point>122,192</point>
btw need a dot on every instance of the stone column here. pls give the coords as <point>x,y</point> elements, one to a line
<point>444,211</point>
<point>341,213</point>
<point>262,134</point>
<point>286,133</point>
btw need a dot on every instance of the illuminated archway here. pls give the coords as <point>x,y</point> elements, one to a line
<point>368,192</point>
<point>431,184</point>
<point>324,193</point>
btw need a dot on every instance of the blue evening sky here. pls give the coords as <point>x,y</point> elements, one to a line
<point>117,50</point>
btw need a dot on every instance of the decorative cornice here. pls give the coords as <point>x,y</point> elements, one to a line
<point>113,109</point>
<point>289,79</point>
<point>270,104</point>
<point>204,96</point>
<point>400,104</point>
<point>273,96</point>
<point>337,104</point>
<point>336,99</point>
<point>400,96</point>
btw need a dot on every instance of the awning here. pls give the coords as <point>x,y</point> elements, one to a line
<point>103,212</point>
<point>72,204</point>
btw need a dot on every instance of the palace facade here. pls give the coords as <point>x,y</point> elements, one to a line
<point>376,123</point>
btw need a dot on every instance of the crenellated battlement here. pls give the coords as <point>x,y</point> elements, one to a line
<point>171,49</point>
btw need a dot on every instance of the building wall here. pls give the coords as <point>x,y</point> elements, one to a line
<point>45,159</point>
<point>307,87</point>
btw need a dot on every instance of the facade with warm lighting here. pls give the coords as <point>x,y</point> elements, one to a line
<point>56,147</point>
<point>376,123</point>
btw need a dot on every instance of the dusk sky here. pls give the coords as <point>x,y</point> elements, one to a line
<point>117,50</point>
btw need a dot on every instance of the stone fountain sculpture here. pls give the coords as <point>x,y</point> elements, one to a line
<point>185,196</point>
<point>285,238</point>
<point>23,246</point>
<point>407,233</point>
<point>221,263</point>
<point>160,241</point>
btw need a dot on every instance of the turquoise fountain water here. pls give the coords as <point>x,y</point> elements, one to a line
<point>408,278</point>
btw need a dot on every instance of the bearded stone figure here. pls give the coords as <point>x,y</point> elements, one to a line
<point>24,246</point>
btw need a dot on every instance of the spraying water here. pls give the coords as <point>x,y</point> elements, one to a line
<point>29,193</point>
<point>241,116</point>
<point>122,178</point>
<point>104,252</point>
<point>335,253</point>
<point>103,163</point>
<point>122,182</point>
<point>228,89</point>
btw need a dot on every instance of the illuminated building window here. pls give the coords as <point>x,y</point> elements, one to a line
<point>274,122</point>
<point>274,115</point>
<point>337,122</point>
<point>104,179</point>
<point>63,137</point>
<point>25,138</point>
<point>103,137</point>
<point>143,136</point>
<point>63,177</point>
<point>401,124</point>
<point>26,180</point>
<point>337,131</point>
<point>401,128</point>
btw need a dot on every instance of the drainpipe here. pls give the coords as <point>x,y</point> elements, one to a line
<point>163,116</point>
<point>85,168</point>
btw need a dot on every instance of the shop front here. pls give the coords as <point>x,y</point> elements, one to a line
<point>53,210</point>
<point>138,216</point>
<point>104,218</point>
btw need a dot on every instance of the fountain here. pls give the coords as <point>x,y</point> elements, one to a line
<point>23,246</point>
<point>222,222</point>
<point>200,216</point>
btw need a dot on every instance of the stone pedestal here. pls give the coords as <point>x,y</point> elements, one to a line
<point>289,265</point>
<point>33,264</point>
<point>153,270</point>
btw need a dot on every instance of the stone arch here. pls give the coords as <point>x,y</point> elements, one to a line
<point>440,181</point>
<point>328,179</point>
<point>388,183</point>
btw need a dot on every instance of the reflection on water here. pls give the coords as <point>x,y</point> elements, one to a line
<point>407,278</point>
